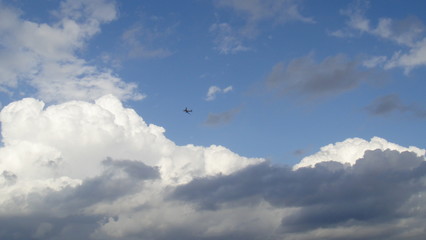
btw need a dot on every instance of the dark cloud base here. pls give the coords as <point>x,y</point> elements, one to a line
<point>329,195</point>
<point>381,189</point>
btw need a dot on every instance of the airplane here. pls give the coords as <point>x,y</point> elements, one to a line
<point>187,110</point>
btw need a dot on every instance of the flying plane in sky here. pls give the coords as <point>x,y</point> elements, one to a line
<point>187,110</point>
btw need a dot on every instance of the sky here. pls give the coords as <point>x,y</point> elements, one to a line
<point>307,119</point>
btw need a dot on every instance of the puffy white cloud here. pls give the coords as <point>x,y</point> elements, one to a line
<point>352,149</point>
<point>98,171</point>
<point>43,56</point>
<point>65,158</point>
<point>99,130</point>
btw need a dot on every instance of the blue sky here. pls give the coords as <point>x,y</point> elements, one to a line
<point>274,85</point>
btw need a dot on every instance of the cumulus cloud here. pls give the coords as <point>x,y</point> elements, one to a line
<point>332,76</point>
<point>46,133</point>
<point>325,198</point>
<point>96,170</point>
<point>43,56</point>
<point>77,161</point>
<point>214,90</point>
<point>348,151</point>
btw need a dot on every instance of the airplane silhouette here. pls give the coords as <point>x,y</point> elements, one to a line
<point>187,110</point>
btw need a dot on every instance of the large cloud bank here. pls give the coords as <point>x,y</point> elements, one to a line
<point>81,170</point>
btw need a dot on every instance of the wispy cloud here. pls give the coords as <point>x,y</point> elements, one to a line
<point>232,38</point>
<point>214,90</point>
<point>415,57</point>
<point>278,11</point>
<point>408,32</point>
<point>44,56</point>
<point>141,42</point>
<point>227,40</point>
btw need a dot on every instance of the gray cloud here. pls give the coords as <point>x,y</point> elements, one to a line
<point>392,103</point>
<point>8,178</point>
<point>331,195</point>
<point>332,76</point>
<point>61,215</point>
<point>379,191</point>
<point>42,226</point>
<point>214,119</point>
<point>120,177</point>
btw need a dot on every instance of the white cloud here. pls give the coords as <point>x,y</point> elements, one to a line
<point>408,32</point>
<point>100,130</point>
<point>415,57</point>
<point>352,149</point>
<point>404,32</point>
<point>214,90</point>
<point>374,61</point>
<point>62,149</point>
<point>211,93</point>
<point>43,56</point>
<point>98,171</point>
<point>227,89</point>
